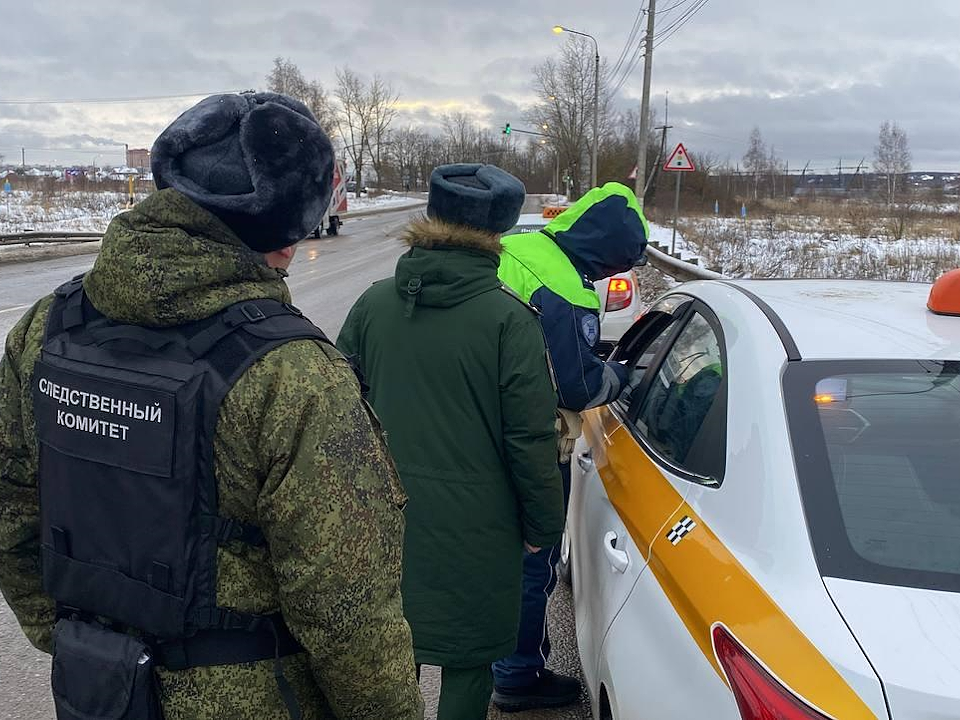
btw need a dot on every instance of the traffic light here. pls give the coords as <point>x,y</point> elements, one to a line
<point>506,129</point>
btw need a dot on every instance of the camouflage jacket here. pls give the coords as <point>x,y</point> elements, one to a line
<point>296,453</point>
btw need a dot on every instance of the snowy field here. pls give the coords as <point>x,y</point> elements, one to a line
<point>27,210</point>
<point>807,247</point>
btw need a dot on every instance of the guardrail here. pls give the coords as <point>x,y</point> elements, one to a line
<point>39,237</point>
<point>45,236</point>
<point>678,268</point>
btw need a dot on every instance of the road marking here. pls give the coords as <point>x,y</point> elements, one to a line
<point>15,307</point>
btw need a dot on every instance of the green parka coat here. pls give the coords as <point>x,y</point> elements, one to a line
<point>458,375</point>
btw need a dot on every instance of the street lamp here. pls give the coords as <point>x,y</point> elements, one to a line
<point>558,29</point>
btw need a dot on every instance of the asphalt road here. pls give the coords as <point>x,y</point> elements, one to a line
<point>326,278</point>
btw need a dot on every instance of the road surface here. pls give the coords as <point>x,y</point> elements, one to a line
<point>326,278</point>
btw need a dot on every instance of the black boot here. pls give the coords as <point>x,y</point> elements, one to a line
<point>549,691</point>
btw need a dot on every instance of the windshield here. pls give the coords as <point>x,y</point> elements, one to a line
<point>877,448</point>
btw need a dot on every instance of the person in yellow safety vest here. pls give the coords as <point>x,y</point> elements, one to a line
<point>600,235</point>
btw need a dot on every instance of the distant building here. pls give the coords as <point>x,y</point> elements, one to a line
<point>139,159</point>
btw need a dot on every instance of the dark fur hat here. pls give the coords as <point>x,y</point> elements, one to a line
<point>482,197</point>
<point>258,161</point>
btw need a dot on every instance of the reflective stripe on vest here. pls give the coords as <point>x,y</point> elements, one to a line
<point>530,261</point>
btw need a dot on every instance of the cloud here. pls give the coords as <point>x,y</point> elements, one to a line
<point>817,76</point>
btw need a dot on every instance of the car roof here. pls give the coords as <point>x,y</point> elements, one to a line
<point>528,219</point>
<point>859,319</point>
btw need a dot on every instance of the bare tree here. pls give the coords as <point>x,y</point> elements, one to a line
<point>564,108</point>
<point>892,156</point>
<point>409,144</point>
<point>286,78</point>
<point>460,134</point>
<point>383,110</point>
<point>756,160</point>
<point>364,117</point>
<point>353,119</point>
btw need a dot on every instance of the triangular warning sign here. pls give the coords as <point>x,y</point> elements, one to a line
<point>679,161</point>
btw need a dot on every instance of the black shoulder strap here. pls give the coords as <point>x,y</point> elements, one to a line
<point>66,312</point>
<point>509,291</point>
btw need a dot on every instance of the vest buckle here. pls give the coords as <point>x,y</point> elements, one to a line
<point>252,313</point>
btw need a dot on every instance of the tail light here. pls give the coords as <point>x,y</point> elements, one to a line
<point>760,696</point>
<point>619,294</point>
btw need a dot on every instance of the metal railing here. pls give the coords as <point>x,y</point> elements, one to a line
<point>677,268</point>
<point>38,237</point>
<point>49,236</point>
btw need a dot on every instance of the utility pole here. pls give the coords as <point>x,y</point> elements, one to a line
<point>23,157</point>
<point>655,170</point>
<point>645,102</point>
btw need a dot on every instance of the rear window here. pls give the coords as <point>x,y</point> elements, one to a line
<point>877,448</point>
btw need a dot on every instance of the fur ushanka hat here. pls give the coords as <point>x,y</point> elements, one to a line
<point>483,197</point>
<point>258,161</point>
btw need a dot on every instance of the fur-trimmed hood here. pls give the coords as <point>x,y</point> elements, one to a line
<point>430,234</point>
<point>446,265</point>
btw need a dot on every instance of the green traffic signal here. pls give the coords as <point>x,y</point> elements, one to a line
<point>506,129</point>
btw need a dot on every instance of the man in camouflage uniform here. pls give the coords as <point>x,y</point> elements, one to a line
<point>296,453</point>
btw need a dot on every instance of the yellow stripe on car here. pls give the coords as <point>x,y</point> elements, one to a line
<point>703,580</point>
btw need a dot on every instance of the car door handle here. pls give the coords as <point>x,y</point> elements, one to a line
<point>619,560</point>
<point>585,460</point>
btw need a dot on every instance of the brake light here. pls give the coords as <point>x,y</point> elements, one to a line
<point>619,294</point>
<point>760,696</point>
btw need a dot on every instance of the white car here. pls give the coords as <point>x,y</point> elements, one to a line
<point>619,295</point>
<point>767,523</point>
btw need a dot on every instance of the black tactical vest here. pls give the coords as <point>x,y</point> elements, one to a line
<point>125,417</point>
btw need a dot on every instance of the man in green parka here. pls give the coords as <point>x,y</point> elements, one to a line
<point>295,454</point>
<point>458,374</point>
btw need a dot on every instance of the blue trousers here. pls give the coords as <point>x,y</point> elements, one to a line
<point>533,640</point>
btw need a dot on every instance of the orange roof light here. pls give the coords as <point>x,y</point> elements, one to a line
<point>551,211</point>
<point>945,294</point>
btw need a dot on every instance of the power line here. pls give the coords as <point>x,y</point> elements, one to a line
<point>118,150</point>
<point>673,7</point>
<point>665,34</point>
<point>630,39</point>
<point>678,25</point>
<point>631,66</point>
<point>108,101</point>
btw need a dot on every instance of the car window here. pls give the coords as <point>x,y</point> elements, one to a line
<point>645,356</point>
<point>885,494</point>
<point>640,345</point>
<point>682,415</point>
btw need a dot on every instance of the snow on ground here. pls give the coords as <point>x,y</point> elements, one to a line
<point>386,200</point>
<point>766,248</point>
<point>27,210</point>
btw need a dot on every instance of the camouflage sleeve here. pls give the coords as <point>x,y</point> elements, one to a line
<point>331,510</point>
<point>19,496</point>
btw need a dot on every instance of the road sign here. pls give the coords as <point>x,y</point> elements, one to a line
<point>679,161</point>
<point>7,188</point>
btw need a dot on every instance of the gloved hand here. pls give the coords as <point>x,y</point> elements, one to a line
<point>634,380</point>
<point>569,427</point>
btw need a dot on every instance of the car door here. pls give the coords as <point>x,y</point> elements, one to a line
<point>677,420</point>
<point>605,556</point>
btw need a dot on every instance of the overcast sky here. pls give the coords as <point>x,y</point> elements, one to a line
<point>817,76</point>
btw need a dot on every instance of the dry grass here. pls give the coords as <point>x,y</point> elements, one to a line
<point>825,254</point>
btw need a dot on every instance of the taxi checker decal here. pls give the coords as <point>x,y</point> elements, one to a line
<point>692,571</point>
<point>681,530</point>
